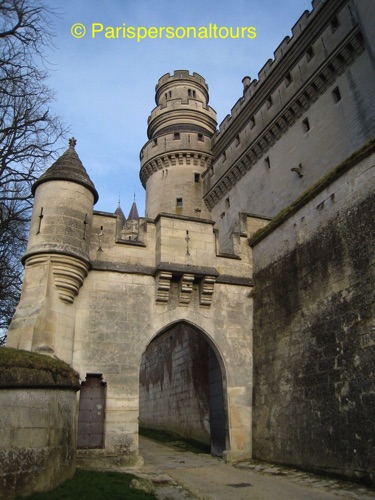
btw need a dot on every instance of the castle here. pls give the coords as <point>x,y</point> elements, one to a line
<point>239,311</point>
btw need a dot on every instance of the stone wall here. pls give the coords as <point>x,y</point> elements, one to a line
<point>174,391</point>
<point>38,423</point>
<point>314,340</point>
<point>301,116</point>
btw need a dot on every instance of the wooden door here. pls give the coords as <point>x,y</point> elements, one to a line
<point>216,404</point>
<point>91,413</point>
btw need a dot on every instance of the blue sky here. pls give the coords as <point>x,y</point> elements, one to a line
<point>105,88</point>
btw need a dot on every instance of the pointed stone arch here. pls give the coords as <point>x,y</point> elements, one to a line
<point>183,386</point>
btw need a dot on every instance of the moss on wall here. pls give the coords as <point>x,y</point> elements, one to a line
<point>21,369</point>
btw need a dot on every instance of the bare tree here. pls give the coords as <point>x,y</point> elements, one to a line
<point>29,133</point>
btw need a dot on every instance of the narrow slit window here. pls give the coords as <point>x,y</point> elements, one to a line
<point>155,142</point>
<point>224,156</point>
<point>269,102</point>
<point>267,162</point>
<point>227,202</point>
<point>336,94</point>
<point>85,227</point>
<point>306,125</point>
<point>40,220</point>
<point>288,79</point>
<point>237,140</point>
<point>197,177</point>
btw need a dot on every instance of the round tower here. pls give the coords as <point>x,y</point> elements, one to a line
<point>179,130</point>
<point>63,209</point>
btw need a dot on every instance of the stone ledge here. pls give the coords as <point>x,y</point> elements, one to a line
<point>313,191</point>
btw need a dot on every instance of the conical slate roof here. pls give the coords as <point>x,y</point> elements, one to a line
<point>68,168</point>
<point>120,213</point>
<point>133,214</point>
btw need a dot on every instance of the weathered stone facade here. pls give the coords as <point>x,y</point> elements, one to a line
<point>142,303</point>
<point>314,330</point>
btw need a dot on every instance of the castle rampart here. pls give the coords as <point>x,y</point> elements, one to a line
<point>279,144</point>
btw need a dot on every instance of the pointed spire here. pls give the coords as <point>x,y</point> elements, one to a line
<point>68,168</point>
<point>133,214</point>
<point>120,213</point>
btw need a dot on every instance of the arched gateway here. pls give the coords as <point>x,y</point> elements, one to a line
<point>182,390</point>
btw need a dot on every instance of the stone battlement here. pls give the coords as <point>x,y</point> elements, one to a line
<point>181,73</point>
<point>288,53</point>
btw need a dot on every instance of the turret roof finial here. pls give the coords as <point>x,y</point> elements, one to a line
<point>72,142</point>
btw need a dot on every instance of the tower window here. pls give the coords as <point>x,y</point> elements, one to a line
<point>197,177</point>
<point>170,94</point>
<point>200,137</point>
<point>189,92</point>
<point>336,94</point>
<point>176,135</point>
<point>267,162</point>
<point>224,156</point>
<point>227,202</point>
<point>306,125</point>
<point>269,102</point>
<point>288,79</point>
<point>193,93</point>
<point>179,202</point>
<point>309,53</point>
<point>155,142</point>
<point>237,140</point>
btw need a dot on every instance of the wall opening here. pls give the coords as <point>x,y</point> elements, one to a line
<point>91,412</point>
<point>182,389</point>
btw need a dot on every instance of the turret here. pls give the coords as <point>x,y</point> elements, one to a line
<point>56,259</point>
<point>179,147</point>
<point>63,209</point>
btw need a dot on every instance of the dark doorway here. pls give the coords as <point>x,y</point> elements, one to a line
<point>181,388</point>
<point>91,412</point>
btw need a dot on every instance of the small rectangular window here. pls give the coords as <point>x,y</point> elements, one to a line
<point>306,125</point>
<point>200,137</point>
<point>336,94</point>
<point>224,155</point>
<point>309,53</point>
<point>176,135</point>
<point>197,177</point>
<point>227,202</point>
<point>269,102</point>
<point>237,140</point>
<point>267,162</point>
<point>155,142</point>
<point>252,122</point>
<point>179,202</point>
<point>334,23</point>
<point>288,79</point>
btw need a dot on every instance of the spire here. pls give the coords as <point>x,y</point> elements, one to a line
<point>133,214</point>
<point>120,214</point>
<point>68,168</point>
